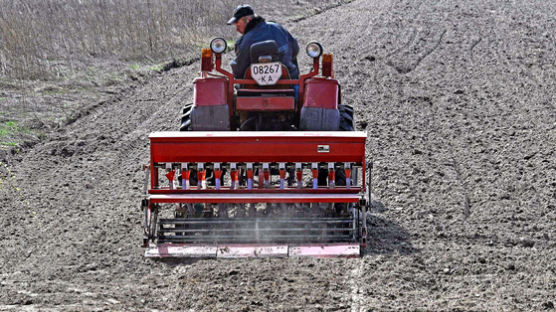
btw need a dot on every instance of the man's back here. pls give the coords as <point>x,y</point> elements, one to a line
<point>259,30</point>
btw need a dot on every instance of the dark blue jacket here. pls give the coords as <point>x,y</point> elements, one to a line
<point>259,30</point>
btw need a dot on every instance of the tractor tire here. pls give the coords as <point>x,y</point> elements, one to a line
<point>185,124</point>
<point>346,124</point>
<point>346,118</point>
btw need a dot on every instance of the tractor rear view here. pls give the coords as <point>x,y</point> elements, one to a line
<point>264,166</point>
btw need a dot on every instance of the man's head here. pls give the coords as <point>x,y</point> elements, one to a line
<point>242,15</point>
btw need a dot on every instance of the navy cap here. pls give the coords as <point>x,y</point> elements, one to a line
<point>241,11</point>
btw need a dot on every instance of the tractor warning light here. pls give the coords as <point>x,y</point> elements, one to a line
<point>327,65</point>
<point>206,60</point>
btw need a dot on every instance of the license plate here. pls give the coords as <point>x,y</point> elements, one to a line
<point>267,73</point>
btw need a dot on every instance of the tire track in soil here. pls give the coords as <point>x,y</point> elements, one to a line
<point>413,65</point>
<point>466,202</point>
<point>473,45</point>
<point>322,10</point>
<point>412,35</point>
<point>355,277</point>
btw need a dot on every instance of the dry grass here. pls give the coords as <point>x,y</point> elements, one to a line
<point>58,57</point>
<point>36,37</point>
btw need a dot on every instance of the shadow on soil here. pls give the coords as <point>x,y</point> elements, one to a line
<point>386,236</point>
<point>173,262</point>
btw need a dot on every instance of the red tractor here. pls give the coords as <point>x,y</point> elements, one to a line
<point>263,166</point>
<point>267,99</point>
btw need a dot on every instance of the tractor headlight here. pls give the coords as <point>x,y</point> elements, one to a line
<point>218,45</point>
<point>314,49</point>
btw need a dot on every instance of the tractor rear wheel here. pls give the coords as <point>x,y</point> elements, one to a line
<point>185,124</point>
<point>346,124</point>
<point>346,118</point>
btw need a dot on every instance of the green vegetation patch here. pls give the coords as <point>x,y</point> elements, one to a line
<point>10,130</point>
<point>51,92</point>
<point>11,134</point>
<point>157,68</point>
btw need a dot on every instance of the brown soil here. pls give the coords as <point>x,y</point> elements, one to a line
<point>458,101</point>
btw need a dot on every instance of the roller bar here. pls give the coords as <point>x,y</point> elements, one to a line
<point>226,251</point>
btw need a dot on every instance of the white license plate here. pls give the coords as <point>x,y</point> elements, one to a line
<point>266,73</point>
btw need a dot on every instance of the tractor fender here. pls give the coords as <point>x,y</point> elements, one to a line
<point>321,93</point>
<point>210,111</point>
<point>210,91</point>
<point>320,105</point>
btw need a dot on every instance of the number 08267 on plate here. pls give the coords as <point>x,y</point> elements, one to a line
<point>266,73</point>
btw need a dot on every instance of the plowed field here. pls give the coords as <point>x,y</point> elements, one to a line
<point>458,99</point>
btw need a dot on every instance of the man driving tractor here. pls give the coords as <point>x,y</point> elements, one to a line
<point>255,29</point>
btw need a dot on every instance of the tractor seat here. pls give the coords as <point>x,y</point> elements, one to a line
<point>265,49</point>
